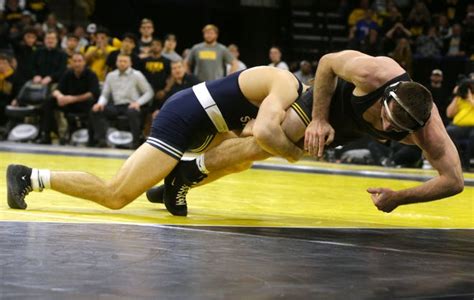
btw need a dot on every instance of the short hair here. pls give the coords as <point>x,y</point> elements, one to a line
<point>80,54</point>
<point>30,30</point>
<point>233,46</point>
<point>170,36</point>
<point>146,20</point>
<point>276,47</point>
<point>157,40</point>
<point>210,27</point>
<point>130,36</point>
<point>179,61</point>
<point>102,30</point>
<point>52,31</point>
<point>72,36</point>
<point>417,99</point>
<point>124,55</point>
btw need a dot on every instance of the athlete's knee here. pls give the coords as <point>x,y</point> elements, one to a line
<point>116,199</point>
<point>119,202</point>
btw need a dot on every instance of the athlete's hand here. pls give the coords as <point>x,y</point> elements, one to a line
<point>318,134</point>
<point>384,199</point>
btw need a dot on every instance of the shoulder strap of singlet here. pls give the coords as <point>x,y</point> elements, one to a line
<point>300,86</point>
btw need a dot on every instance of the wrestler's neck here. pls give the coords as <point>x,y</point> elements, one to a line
<point>373,116</point>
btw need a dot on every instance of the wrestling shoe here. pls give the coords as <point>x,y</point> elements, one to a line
<point>155,194</point>
<point>177,184</point>
<point>18,185</point>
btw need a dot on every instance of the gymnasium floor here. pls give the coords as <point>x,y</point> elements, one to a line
<point>302,231</point>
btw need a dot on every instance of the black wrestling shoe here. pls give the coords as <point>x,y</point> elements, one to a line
<point>18,185</point>
<point>177,184</point>
<point>155,194</point>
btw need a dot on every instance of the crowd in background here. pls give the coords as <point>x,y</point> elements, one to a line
<point>104,80</point>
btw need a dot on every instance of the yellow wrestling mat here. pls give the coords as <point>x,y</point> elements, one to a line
<point>252,198</point>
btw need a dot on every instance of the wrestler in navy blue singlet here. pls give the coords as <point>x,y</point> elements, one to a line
<point>190,118</point>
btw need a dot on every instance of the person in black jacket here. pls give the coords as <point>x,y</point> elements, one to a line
<point>49,63</point>
<point>77,91</point>
<point>24,53</point>
<point>178,81</point>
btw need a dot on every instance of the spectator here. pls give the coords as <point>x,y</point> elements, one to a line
<point>363,26</point>
<point>169,48</point>
<point>441,95</point>
<point>128,48</point>
<point>24,51</point>
<point>71,47</point>
<point>444,28</point>
<point>453,10</point>
<point>394,29</point>
<point>27,20</point>
<point>9,86</point>
<point>52,23</point>
<point>77,91</point>
<point>418,18</point>
<point>305,73</point>
<point>126,90</point>
<point>156,69</point>
<point>461,130</point>
<point>372,44</point>
<point>208,59</point>
<point>275,59</point>
<point>49,63</point>
<point>469,31</point>
<point>39,8</point>
<point>234,50</point>
<point>455,44</point>
<point>358,13</point>
<point>403,56</point>
<point>146,38</point>
<point>178,81</point>
<point>392,17</point>
<point>96,56</point>
<point>5,45</point>
<point>81,36</point>
<point>429,45</point>
<point>12,12</point>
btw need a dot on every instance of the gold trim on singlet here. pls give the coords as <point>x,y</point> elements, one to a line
<point>297,108</point>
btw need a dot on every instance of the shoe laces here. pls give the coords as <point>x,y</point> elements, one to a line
<point>26,190</point>
<point>181,196</point>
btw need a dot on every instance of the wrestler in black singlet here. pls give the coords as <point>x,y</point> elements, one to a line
<point>346,111</point>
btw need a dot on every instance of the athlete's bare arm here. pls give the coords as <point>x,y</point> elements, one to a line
<point>442,154</point>
<point>274,99</point>
<point>366,72</point>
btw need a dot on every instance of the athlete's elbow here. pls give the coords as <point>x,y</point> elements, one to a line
<point>458,187</point>
<point>455,186</point>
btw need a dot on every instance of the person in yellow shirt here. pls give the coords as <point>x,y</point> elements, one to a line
<point>461,130</point>
<point>96,56</point>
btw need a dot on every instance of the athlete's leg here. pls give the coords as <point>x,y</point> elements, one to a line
<point>231,156</point>
<point>144,168</point>
<point>237,155</point>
